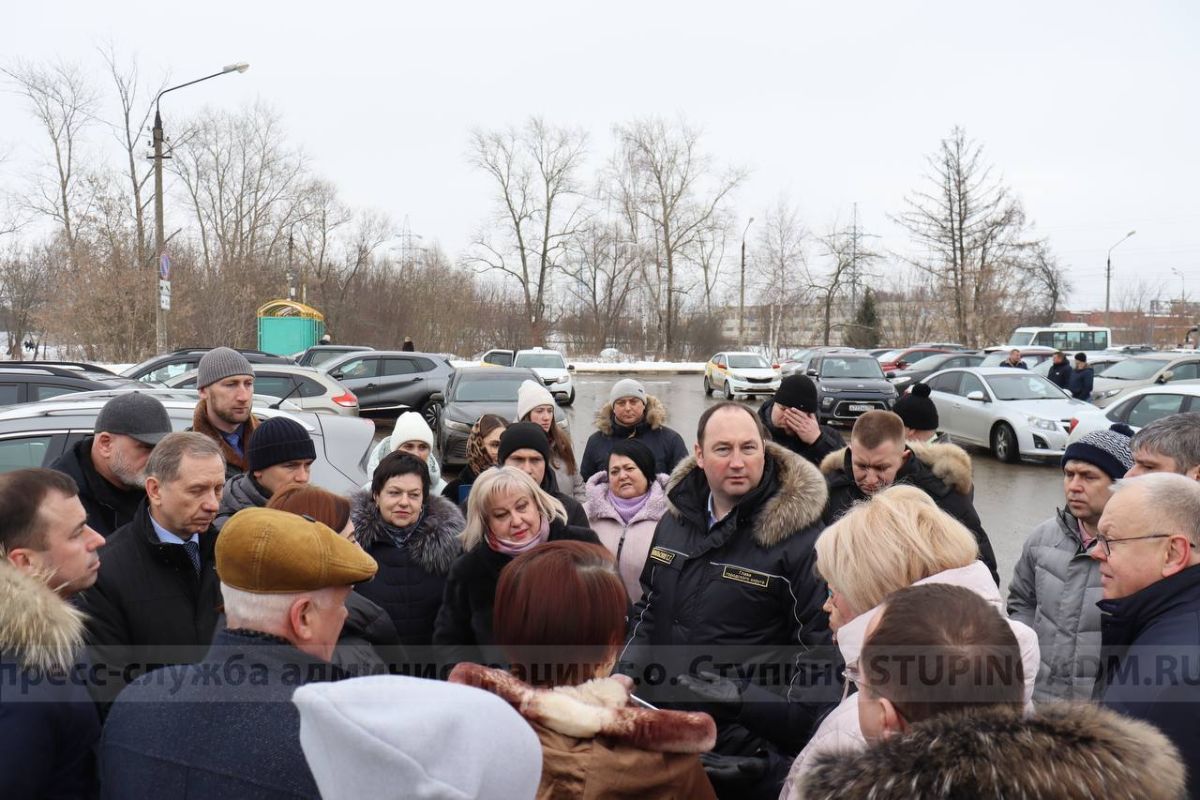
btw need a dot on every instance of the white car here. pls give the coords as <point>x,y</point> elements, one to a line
<point>1013,412</point>
<point>1148,370</point>
<point>553,369</point>
<point>1142,406</point>
<point>740,373</point>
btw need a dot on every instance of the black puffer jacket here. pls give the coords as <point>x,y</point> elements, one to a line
<point>829,440</point>
<point>411,575</point>
<point>108,507</point>
<point>942,471</point>
<point>464,624</point>
<point>666,445</point>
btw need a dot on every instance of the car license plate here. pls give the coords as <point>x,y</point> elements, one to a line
<point>860,407</point>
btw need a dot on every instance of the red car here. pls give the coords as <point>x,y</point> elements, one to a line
<point>899,359</point>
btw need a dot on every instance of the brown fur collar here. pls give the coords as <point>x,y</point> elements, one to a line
<point>200,424</point>
<point>656,416</point>
<point>599,707</point>
<point>38,627</point>
<point>796,505</point>
<point>948,462</point>
<point>1063,751</point>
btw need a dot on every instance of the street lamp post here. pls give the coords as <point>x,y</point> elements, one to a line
<point>1108,276</point>
<point>162,279</point>
<point>742,290</point>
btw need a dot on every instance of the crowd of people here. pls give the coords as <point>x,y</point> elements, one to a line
<point>775,613</point>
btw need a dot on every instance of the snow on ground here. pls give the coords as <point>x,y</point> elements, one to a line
<point>620,368</point>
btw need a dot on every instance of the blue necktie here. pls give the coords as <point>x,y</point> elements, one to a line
<point>193,550</point>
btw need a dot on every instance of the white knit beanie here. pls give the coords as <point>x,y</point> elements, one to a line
<point>411,427</point>
<point>531,395</point>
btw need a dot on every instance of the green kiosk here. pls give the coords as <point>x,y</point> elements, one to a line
<point>286,327</point>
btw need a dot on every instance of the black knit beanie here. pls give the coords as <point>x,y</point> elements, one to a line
<point>798,392</point>
<point>639,454</point>
<point>917,410</point>
<point>522,436</point>
<point>276,441</point>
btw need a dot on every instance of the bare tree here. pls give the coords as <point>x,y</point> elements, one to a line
<point>26,277</point>
<point>602,269</point>
<point>535,172</point>
<point>849,261</point>
<point>1044,272</point>
<point>780,265</point>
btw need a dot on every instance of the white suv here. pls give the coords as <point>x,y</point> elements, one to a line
<point>553,369</point>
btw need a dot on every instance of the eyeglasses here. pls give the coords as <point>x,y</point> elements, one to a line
<point>1108,543</point>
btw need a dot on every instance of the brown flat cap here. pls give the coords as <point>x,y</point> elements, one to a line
<point>266,551</point>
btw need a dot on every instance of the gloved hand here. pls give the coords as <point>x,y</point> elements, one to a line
<point>719,697</point>
<point>729,772</point>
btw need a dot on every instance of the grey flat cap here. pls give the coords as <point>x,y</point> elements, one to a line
<point>136,415</point>
<point>219,364</point>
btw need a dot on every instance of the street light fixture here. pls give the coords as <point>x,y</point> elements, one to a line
<point>1108,276</point>
<point>742,291</point>
<point>163,277</point>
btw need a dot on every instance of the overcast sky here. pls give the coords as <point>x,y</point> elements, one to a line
<point>1088,109</point>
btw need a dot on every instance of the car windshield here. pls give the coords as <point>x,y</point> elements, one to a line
<point>928,362</point>
<point>850,368</point>
<point>483,389</point>
<point>747,361</point>
<point>540,360</point>
<point>890,355</point>
<point>1023,386</point>
<point>1136,369</point>
<point>321,356</point>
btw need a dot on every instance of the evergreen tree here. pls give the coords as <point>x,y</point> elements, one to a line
<point>864,332</point>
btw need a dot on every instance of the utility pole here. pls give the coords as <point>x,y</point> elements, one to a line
<point>854,261</point>
<point>1108,278</point>
<point>742,291</point>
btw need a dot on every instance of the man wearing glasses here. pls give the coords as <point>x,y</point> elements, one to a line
<point>1148,550</point>
<point>1055,585</point>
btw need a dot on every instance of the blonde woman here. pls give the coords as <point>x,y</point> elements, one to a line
<point>507,515</point>
<point>898,538</point>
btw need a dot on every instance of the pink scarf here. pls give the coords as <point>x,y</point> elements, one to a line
<point>509,549</point>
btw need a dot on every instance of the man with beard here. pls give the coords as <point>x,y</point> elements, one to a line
<point>109,467</point>
<point>156,599</point>
<point>226,383</point>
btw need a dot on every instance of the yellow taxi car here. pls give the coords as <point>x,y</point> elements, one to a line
<point>740,373</point>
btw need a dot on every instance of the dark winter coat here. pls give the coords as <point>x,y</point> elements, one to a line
<point>223,728</point>
<point>666,445</point>
<point>942,471</point>
<point>234,464</point>
<point>1010,365</point>
<point>108,507</point>
<point>743,593</point>
<point>465,480</point>
<point>148,606</point>
<point>829,440</point>
<point>463,631</point>
<point>1080,385</point>
<point>369,643</point>
<point>48,722</point>
<point>1062,752</point>
<point>412,575</point>
<point>1151,642</point>
<point>241,491</point>
<point>1060,374</point>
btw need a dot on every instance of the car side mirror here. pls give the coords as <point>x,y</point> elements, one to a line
<point>977,396</point>
<point>889,375</point>
<point>337,375</point>
<point>812,373</point>
<point>570,367</point>
<point>1166,376</point>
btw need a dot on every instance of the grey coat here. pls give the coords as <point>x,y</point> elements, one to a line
<point>1054,590</point>
<point>240,492</point>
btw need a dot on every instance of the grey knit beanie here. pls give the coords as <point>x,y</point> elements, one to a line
<point>627,387</point>
<point>1108,450</point>
<point>220,363</point>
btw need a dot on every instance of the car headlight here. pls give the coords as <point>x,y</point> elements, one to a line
<point>562,379</point>
<point>826,402</point>
<point>828,390</point>
<point>1043,424</point>
<point>461,427</point>
<point>1109,393</point>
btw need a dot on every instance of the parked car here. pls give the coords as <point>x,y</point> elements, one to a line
<point>31,381</point>
<point>473,392</point>
<point>552,370</point>
<point>943,345</point>
<point>878,351</point>
<point>893,360</point>
<point>1099,362</point>
<point>159,369</point>
<point>1031,356</point>
<point>1142,406</point>
<point>797,363</point>
<point>919,371</point>
<point>318,354</point>
<point>388,382</point>
<point>1148,370</point>
<point>1015,413</point>
<point>497,358</point>
<point>36,434</point>
<point>848,386</point>
<point>306,387</point>
<point>742,373</point>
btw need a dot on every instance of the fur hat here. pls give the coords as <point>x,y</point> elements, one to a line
<point>530,395</point>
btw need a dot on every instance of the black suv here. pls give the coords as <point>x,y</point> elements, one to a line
<point>848,385</point>
<point>31,381</point>
<point>159,369</point>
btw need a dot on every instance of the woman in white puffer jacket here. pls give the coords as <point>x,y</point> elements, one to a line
<point>899,538</point>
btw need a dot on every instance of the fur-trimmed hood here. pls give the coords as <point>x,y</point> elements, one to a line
<point>654,418</point>
<point>597,708</point>
<point>38,628</point>
<point>949,463</point>
<point>436,544</point>
<point>599,506</point>
<point>796,504</point>
<point>1074,751</point>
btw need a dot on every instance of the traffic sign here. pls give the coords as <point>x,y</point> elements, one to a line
<point>164,294</point>
<point>164,267</point>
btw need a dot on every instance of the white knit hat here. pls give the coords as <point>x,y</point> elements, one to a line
<point>411,427</point>
<point>530,395</point>
<point>391,735</point>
